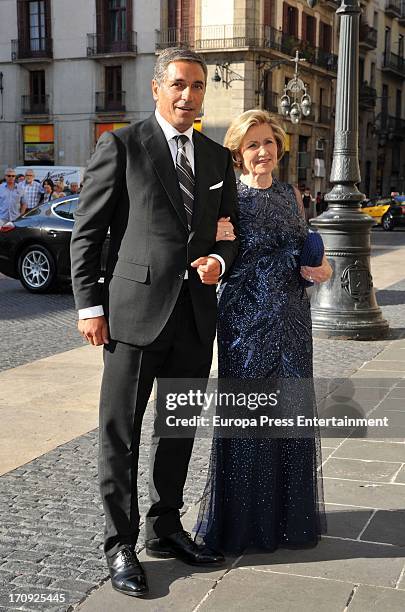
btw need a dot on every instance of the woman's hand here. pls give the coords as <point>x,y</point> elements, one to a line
<point>225,229</point>
<point>319,274</point>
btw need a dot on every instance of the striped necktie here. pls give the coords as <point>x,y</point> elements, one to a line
<point>186,177</point>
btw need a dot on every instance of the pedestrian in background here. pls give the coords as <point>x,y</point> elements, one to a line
<point>59,193</point>
<point>11,198</point>
<point>73,189</point>
<point>307,200</point>
<point>318,203</point>
<point>49,190</point>
<point>32,190</point>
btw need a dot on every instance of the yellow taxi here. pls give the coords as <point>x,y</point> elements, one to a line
<point>385,211</point>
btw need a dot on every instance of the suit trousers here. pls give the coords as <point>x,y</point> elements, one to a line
<point>129,374</point>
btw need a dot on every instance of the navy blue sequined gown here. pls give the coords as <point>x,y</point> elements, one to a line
<point>264,493</point>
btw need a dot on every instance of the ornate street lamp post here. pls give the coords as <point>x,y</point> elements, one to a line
<point>295,87</point>
<point>345,307</point>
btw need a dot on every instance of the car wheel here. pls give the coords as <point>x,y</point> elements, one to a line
<point>36,269</point>
<point>387,223</point>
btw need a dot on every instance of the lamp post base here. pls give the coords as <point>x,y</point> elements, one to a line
<point>345,307</point>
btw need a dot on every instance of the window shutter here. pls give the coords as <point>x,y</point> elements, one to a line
<point>295,21</point>
<point>171,17</point>
<point>327,38</point>
<point>101,26</point>
<point>267,12</point>
<point>129,16</point>
<point>48,26</point>
<point>22,19</point>
<point>285,17</point>
<point>100,18</point>
<point>304,27</point>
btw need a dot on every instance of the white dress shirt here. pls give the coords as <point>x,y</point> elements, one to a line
<point>170,133</point>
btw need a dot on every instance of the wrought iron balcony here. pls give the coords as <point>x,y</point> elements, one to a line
<point>35,105</point>
<point>367,96</point>
<point>110,102</point>
<point>248,36</point>
<point>104,44</point>
<point>394,63</point>
<point>393,128</point>
<point>31,49</point>
<point>270,102</point>
<point>368,36</point>
<point>393,8</point>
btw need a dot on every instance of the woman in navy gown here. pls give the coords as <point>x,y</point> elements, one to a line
<point>264,493</point>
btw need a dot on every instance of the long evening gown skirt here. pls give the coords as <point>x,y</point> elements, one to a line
<point>264,493</point>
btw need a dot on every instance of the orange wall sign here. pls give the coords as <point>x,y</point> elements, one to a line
<point>38,133</point>
<point>108,127</point>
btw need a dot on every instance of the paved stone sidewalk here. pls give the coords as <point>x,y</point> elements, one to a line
<point>51,529</point>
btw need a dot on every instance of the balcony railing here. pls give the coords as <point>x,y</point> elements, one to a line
<point>228,37</point>
<point>110,101</point>
<point>103,44</point>
<point>393,8</point>
<point>35,105</point>
<point>368,36</point>
<point>270,102</point>
<point>393,127</point>
<point>367,96</point>
<point>394,63</point>
<point>31,49</point>
<point>325,115</point>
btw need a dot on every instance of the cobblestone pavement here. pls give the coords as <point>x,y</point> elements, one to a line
<point>51,528</point>
<point>34,326</point>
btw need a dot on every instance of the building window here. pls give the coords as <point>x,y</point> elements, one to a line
<point>37,25</point>
<point>113,88</point>
<point>303,161</point>
<point>290,20</point>
<point>37,89</point>
<point>398,104</point>
<point>387,42</point>
<point>325,37</point>
<point>117,19</point>
<point>372,74</point>
<point>401,46</point>
<point>309,29</point>
<point>384,106</point>
<point>361,70</point>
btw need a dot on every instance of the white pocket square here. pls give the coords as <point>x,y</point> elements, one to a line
<point>217,185</point>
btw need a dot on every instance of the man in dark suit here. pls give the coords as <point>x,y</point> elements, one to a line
<point>160,187</point>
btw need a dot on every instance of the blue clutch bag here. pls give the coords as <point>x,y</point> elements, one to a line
<point>312,253</point>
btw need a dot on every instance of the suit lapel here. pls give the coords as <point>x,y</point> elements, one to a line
<point>157,149</point>
<point>203,164</point>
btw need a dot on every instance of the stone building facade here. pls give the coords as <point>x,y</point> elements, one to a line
<point>70,70</point>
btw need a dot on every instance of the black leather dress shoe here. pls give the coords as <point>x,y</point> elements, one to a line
<point>127,575</point>
<point>181,546</point>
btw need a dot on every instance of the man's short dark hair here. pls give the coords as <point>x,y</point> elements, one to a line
<point>176,54</point>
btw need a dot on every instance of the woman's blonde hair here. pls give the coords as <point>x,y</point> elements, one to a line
<point>239,127</point>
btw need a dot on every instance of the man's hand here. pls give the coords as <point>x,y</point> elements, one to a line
<point>94,330</point>
<point>208,268</point>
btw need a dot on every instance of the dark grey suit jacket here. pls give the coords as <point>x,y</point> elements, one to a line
<point>131,187</point>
